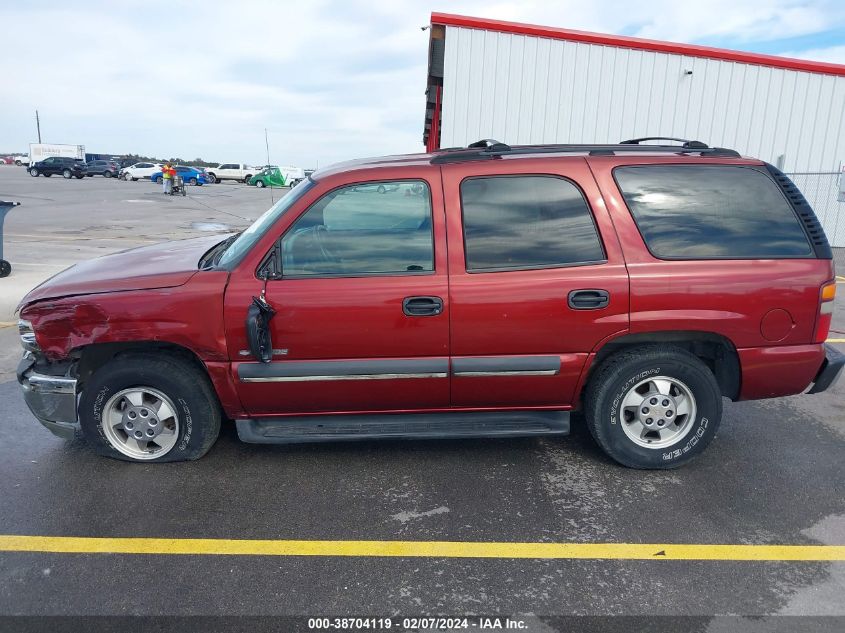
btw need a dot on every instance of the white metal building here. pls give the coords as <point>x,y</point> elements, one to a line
<point>524,84</point>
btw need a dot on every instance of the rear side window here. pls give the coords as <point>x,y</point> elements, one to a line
<point>711,212</point>
<point>525,222</point>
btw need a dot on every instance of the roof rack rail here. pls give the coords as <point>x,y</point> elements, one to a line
<point>686,143</point>
<point>488,149</point>
<point>490,144</point>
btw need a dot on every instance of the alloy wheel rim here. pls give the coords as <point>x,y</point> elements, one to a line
<point>658,412</point>
<point>141,423</point>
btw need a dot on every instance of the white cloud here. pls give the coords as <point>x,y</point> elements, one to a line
<point>832,54</point>
<point>331,80</point>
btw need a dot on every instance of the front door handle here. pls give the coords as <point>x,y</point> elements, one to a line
<point>589,299</point>
<point>422,306</point>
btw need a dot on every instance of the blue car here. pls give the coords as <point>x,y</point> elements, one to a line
<point>189,175</point>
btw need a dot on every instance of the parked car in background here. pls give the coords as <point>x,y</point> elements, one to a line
<point>190,175</point>
<point>139,170</point>
<point>268,177</point>
<point>67,167</point>
<point>203,170</point>
<point>7,160</point>
<point>273,176</point>
<point>107,168</point>
<point>485,297</point>
<point>378,188</point>
<point>231,171</point>
<point>22,160</point>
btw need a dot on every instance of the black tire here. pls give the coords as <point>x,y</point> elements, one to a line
<point>620,374</point>
<point>247,179</point>
<point>260,184</point>
<point>34,172</point>
<point>68,174</point>
<point>107,174</point>
<point>179,379</point>
<point>193,181</point>
<point>5,268</point>
<point>211,179</point>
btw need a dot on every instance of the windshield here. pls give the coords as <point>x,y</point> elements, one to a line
<point>246,240</point>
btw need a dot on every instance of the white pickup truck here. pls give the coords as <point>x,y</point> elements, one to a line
<point>231,171</point>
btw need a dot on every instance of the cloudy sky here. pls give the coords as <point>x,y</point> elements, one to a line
<point>330,80</point>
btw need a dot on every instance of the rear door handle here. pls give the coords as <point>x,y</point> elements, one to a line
<point>422,306</point>
<point>589,299</point>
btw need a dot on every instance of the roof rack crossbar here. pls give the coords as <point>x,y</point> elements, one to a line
<point>685,142</point>
<point>489,149</point>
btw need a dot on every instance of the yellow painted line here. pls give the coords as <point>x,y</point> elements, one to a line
<point>7,324</point>
<point>835,340</point>
<point>424,549</point>
<point>840,279</point>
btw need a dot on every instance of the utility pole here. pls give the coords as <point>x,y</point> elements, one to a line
<point>38,125</point>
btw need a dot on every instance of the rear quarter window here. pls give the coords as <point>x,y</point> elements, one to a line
<point>711,212</point>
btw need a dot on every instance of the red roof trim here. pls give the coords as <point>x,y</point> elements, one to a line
<point>690,50</point>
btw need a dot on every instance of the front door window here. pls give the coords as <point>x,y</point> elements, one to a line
<point>378,228</point>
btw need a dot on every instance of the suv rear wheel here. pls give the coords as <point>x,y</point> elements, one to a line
<point>653,407</point>
<point>67,173</point>
<point>149,408</point>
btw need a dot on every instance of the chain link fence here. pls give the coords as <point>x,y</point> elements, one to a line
<point>821,190</point>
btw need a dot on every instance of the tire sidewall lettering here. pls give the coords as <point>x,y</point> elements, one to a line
<point>701,428</point>
<point>188,424</point>
<point>99,403</point>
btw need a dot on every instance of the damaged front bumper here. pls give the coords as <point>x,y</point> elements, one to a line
<point>52,399</point>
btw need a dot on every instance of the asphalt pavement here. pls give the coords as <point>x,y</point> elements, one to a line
<point>773,476</point>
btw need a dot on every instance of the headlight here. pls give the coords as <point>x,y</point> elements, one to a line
<point>27,334</point>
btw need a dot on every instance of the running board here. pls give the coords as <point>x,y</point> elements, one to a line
<point>334,428</point>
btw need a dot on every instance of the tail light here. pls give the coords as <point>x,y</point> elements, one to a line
<point>826,302</point>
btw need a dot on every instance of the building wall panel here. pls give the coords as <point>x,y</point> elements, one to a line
<point>523,89</point>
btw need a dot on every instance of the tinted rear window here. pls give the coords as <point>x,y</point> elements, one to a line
<point>523,222</point>
<point>711,212</point>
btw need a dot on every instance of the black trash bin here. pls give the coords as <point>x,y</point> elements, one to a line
<point>5,207</point>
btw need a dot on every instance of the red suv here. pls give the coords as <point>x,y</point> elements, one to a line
<point>488,291</point>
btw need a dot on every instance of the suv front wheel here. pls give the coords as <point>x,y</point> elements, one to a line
<point>653,407</point>
<point>150,408</point>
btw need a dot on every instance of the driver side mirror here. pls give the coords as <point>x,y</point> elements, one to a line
<point>258,336</point>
